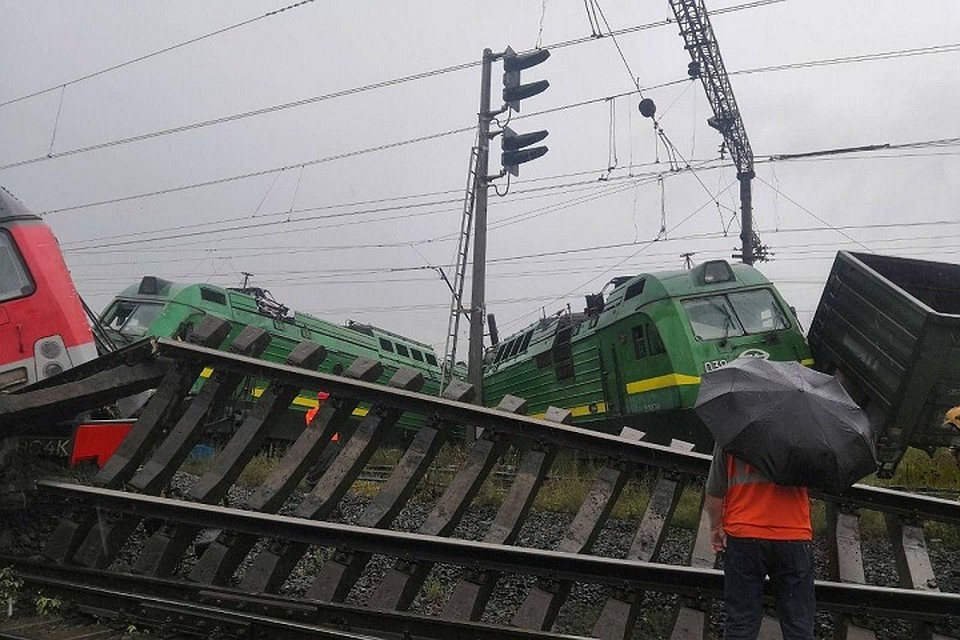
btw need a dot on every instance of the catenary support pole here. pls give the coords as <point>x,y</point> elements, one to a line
<point>478,284</point>
<point>746,217</point>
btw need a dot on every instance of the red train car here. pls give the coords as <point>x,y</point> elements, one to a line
<point>43,327</point>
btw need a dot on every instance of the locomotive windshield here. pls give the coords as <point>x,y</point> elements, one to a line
<point>15,279</point>
<point>131,319</point>
<point>735,314</point>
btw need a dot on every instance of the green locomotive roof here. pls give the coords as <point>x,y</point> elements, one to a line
<point>705,277</point>
<point>638,290</point>
<point>204,297</point>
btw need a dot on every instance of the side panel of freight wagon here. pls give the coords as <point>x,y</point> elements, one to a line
<point>875,326</point>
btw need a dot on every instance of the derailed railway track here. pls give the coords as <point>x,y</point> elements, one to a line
<point>235,584</point>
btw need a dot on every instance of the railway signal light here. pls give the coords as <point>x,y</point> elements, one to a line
<point>513,64</point>
<point>514,149</point>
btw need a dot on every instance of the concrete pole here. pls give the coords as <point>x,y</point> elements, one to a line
<point>478,281</point>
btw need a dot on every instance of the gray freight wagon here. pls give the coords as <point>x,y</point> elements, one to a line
<point>889,328</point>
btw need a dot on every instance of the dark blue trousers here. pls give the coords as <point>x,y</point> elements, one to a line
<point>790,566</point>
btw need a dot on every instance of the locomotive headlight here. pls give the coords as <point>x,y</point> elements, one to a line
<point>51,369</point>
<point>716,271</point>
<point>51,356</point>
<point>51,349</point>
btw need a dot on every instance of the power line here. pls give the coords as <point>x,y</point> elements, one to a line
<point>818,218</point>
<point>290,225</point>
<point>563,256</point>
<point>311,100</point>
<point>866,57</point>
<point>435,72</point>
<point>153,54</point>
<point>152,237</point>
<point>263,172</point>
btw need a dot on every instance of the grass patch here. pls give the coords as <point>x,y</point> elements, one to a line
<point>917,470</point>
<point>257,470</point>
<point>385,457</point>
<point>492,493</point>
<point>687,513</point>
<point>567,485</point>
<point>948,535</point>
<point>196,466</point>
<point>632,502</point>
<point>433,590</point>
<point>563,494</point>
<point>365,489</point>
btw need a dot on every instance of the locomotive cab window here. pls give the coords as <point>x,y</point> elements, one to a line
<point>15,281</point>
<point>735,314</point>
<point>646,341</point>
<point>131,319</point>
<point>758,311</point>
<point>712,318</point>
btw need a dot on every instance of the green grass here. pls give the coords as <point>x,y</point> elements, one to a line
<point>687,513</point>
<point>917,470</point>
<point>257,470</point>
<point>196,466</point>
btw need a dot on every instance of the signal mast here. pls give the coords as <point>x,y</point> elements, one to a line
<point>707,65</point>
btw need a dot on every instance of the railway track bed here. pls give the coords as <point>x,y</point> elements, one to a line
<point>366,572</point>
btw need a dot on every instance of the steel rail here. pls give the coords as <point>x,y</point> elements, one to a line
<point>188,617</point>
<point>552,565</point>
<point>224,601</point>
<point>593,442</point>
<point>600,444</point>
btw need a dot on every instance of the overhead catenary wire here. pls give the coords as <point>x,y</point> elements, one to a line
<point>811,213</point>
<point>291,227</point>
<point>262,172</point>
<point>519,266</point>
<point>642,247</point>
<point>153,54</point>
<point>328,96</point>
<point>467,65</point>
<point>562,256</point>
<point>152,237</point>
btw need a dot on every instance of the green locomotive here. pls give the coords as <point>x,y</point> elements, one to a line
<point>159,308</point>
<point>634,357</point>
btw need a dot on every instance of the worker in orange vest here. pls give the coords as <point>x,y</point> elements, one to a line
<point>321,398</point>
<point>763,529</point>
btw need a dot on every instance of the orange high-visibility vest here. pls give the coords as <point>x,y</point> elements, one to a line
<point>754,507</point>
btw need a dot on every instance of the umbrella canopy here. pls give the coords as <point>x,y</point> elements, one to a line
<point>797,425</point>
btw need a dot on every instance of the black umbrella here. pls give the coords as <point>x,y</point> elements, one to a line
<point>797,425</point>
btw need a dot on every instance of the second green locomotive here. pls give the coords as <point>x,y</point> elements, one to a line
<point>159,308</point>
<point>634,357</point>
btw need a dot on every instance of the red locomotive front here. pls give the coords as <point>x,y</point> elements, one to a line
<point>43,328</point>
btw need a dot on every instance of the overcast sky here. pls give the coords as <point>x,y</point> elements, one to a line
<point>349,231</point>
